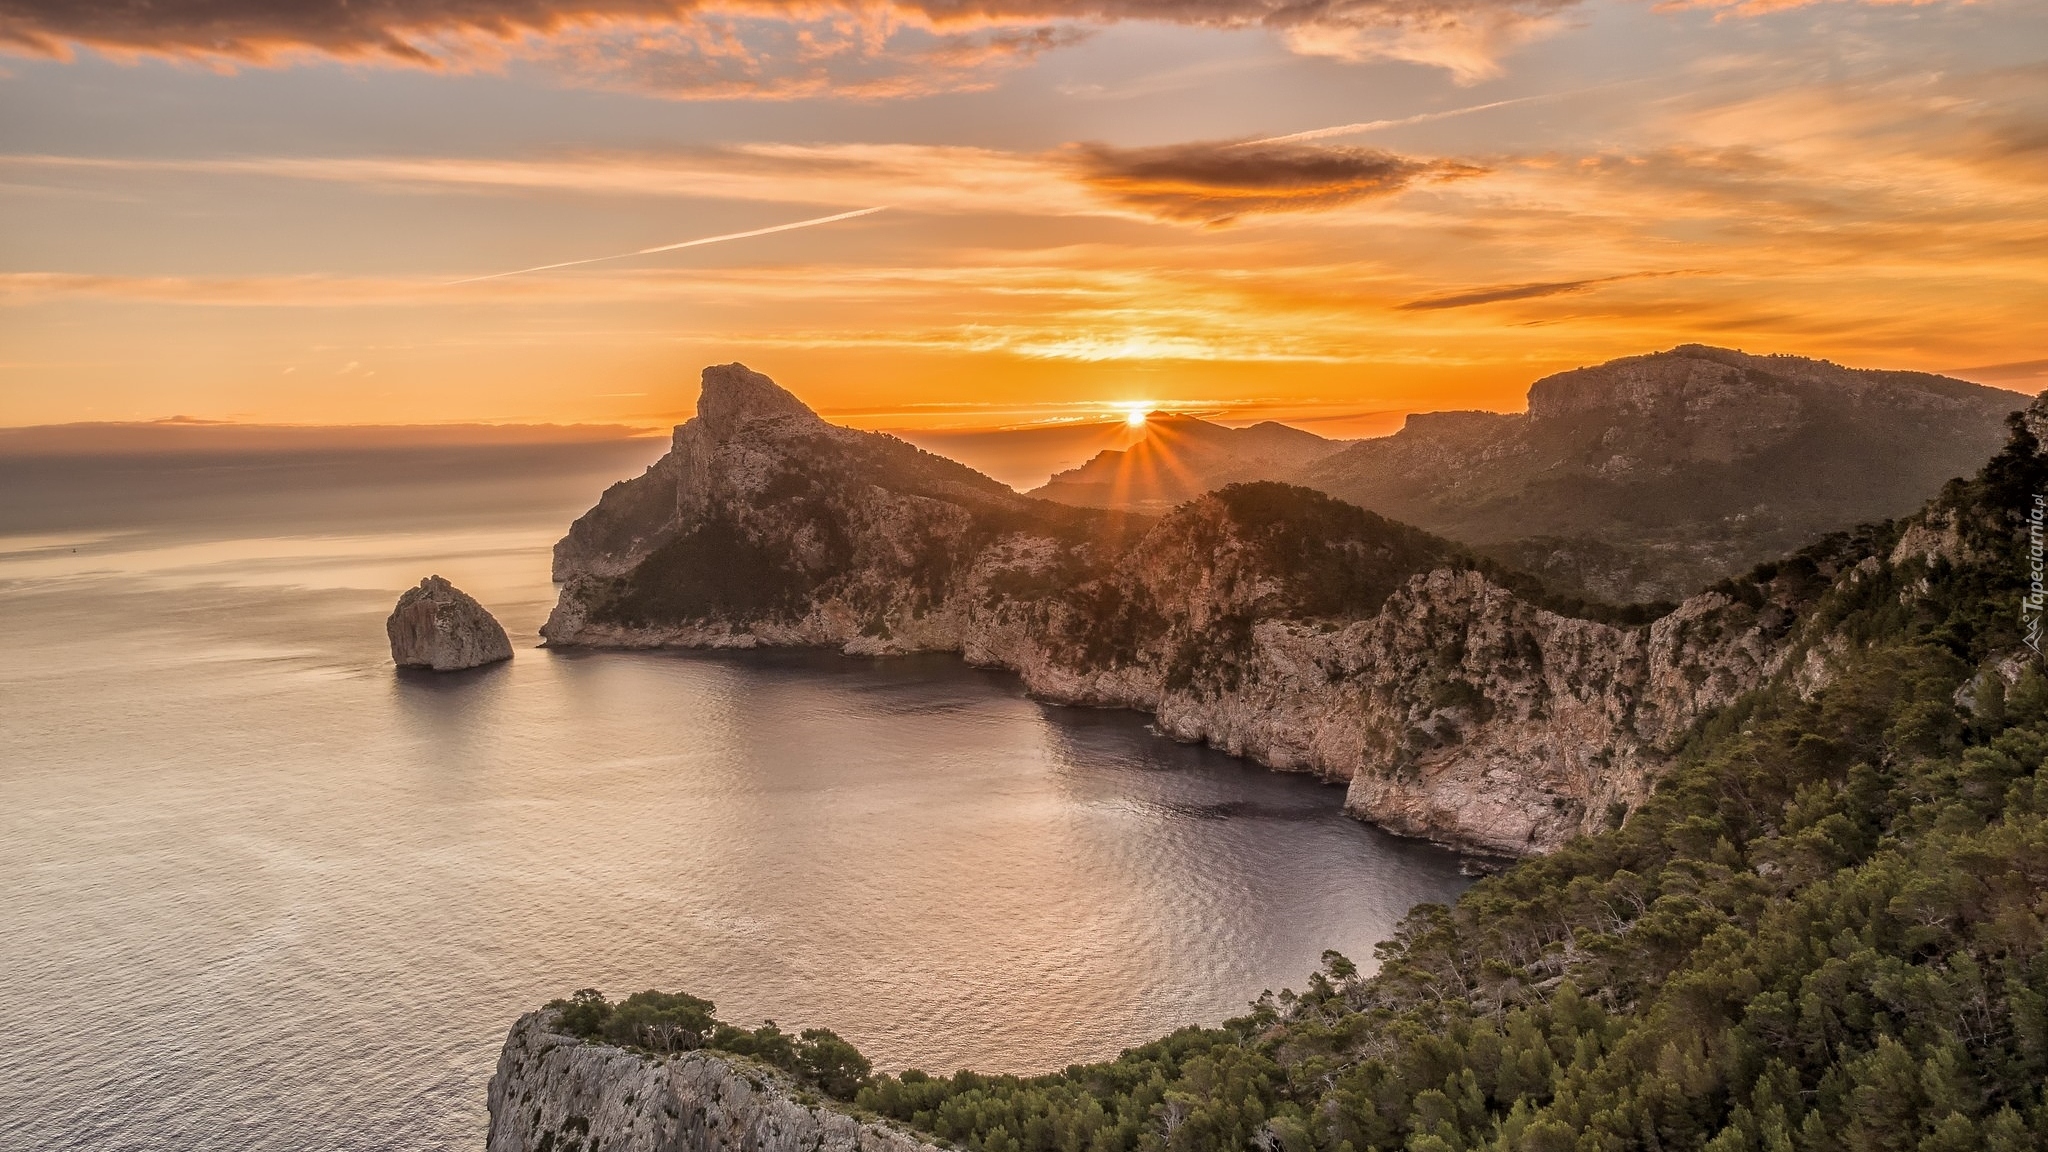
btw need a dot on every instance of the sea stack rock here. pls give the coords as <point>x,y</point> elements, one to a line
<point>439,626</point>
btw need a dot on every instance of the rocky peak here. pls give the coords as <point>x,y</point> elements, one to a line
<point>753,453</point>
<point>1684,384</point>
<point>734,395</point>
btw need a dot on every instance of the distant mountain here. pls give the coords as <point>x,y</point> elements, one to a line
<point>1642,479</point>
<point>1652,476</point>
<point>1182,457</point>
<point>1024,457</point>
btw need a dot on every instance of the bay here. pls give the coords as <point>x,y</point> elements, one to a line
<point>264,891</point>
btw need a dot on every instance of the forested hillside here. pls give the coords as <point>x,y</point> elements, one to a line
<point>1826,932</point>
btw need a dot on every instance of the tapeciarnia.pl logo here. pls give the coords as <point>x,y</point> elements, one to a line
<point>2037,573</point>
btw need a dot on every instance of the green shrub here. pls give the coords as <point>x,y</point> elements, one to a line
<point>668,1022</point>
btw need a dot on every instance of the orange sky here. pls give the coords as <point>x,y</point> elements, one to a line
<point>1329,217</point>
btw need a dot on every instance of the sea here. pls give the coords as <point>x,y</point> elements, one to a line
<point>261,890</point>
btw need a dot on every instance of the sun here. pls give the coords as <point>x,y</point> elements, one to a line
<point>1135,412</point>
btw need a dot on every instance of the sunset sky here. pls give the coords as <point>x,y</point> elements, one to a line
<point>1330,212</point>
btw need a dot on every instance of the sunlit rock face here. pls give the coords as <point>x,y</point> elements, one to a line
<point>441,627</point>
<point>1460,700</point>
<point>554,1092</point>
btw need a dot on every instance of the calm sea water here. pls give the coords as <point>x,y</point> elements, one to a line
<point>261,891</point>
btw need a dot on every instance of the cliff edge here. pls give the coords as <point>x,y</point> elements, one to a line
<point>556,1093</point>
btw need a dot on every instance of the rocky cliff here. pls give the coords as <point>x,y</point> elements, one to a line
<point>1459,700</point>
<point>556,1093</point>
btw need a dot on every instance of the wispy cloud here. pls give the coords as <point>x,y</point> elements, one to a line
<point>1766,7</point>
<point>913,177</point>
<point>2017,372</point>
<point>1201,181</point>
<point>761,47</point>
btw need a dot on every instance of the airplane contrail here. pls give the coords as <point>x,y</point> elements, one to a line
<point>683,244</point>
<point>1424,118</point>
<point>1371,125</point>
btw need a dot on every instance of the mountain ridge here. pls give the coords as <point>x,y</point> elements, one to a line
<point>1460,700</point>
<point>1181,457</point>
<point>1641,479</point>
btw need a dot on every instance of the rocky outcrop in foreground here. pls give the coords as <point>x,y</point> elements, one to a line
<point>441,627</point>
<point>1459,700</point>
<point>556,1093</point>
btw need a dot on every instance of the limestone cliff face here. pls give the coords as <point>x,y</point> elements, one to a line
<point>555,1093</point>
<point>1457,700</point>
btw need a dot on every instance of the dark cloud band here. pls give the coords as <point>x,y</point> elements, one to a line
<point>1215,181</point>
<point>1508,292</point>
<point>1499,295</point>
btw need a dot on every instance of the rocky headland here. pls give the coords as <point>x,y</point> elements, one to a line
<point>439,626</point>
<point>1459,699</point>
<point>554,1092</point>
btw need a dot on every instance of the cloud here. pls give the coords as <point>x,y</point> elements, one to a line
<point>914,177</point>
<point>1505,292</point>
<point>1467,40</point>
<point>715,48</point>
<point>1766,7</point>
<point>2017,372</point>
<point>1212,182</point>
<point>1204,181</point>
<point>714,55</point>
